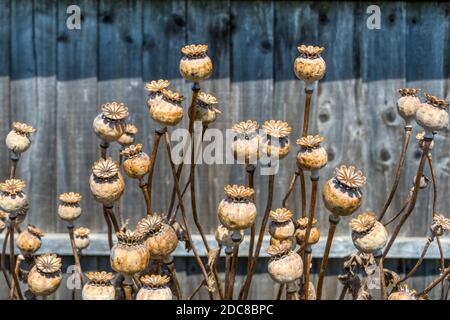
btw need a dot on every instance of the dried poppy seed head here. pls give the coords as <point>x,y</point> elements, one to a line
<point>436,102</point>
<point>408,92</point>
<point>310,142</point>
<point>277,250</point>
<point>248,127</point>
<point>440,224</point>
<point>238,192</point>
<point>350,177</point>
<point>82,232</point>
<point>276,129</point>
<point>129,238</point>
<point>70,197</point>
<point>303,222</point>
<point>12,186</point>
<point>172,96</point>
<point>105,168</point>
<point>363,223</point>
<point>281,215</point>
<point>131,129</point>
<point>157,86</point>
<point>35,231</point>
<point>48,263</point>
<point>206,98</point>
<point>102,278</point>
<point>155,280</point>
<point>114,111</point>
<point>23,128</point>
<point>132,151</point>
<point>150,225</point>
<point>194,50</point>
<point>310,52</point>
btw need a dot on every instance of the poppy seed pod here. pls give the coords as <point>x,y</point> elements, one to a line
<point>285,266</point>
<point>106,181</point>
<point>275,141</point>
<point>110,124</point>
<point>18,139</point>
<point>237,211</point>
<point>300,233</point>
<point>311,155</point>
<point>29,240</point>
<point>155,89</point>
<point>439,225</point>
<point>165,107</point>
<point>12,196</point>
<point>21,214</point>
<point>368,234</point>
<point>288,241</point>
<point>309,66</point>
<point>195,65</point>
<point>154,287</point>
<point>223,236</point>
<point>129,255</point>
<point>99,286</point>
<point>432,115</point>
<point>408,103</point>
<point>45,276</point>
<point>127,138</point>
<point>281,225</point>
<point>136,163</point>
<point>403,294</point>
<point>245,147</point>
<point>160,238</point>
<point>81,237</point>
<point>69,209</point>
<point>205,108</point>
<point>341,194</point>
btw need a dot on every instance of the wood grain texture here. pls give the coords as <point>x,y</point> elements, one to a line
<point>55,79</point>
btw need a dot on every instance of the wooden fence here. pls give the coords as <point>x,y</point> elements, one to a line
<point>55,79</point>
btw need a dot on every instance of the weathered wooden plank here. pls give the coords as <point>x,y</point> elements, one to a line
<point>120,79</point>
<point>77,145</point>
<point>5,109</point>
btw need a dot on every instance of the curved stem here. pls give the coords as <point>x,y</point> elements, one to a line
<point>76,257</point>
<point>154,153</point>
<point>250,168</point>
<point>176,284</point>
<point>146,193</point>
<point>442,264</point>
<point>19,260</point>
<point>334,220</point>
<point>398,173</point>
<point>438,280</point>
<point>419,262</point>
<point>434,181</point>
<point>245,288</point>
<point>183,213</point>
<point>12,256</point>
<point>3,259</point>
<point>302,191</point>
<point>109,226</point>
<point>290,188</point>
<point>405,205</point>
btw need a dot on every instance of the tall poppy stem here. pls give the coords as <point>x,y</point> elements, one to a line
<point>148,199</point>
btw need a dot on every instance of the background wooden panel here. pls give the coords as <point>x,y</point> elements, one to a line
<point>56,79</point>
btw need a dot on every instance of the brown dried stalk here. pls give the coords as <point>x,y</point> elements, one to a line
<point>428,138</point>
<point>398,173</point>
<point>156,139</point>
<point>12,218</point>
<point>442,277</point>
<point>14,160</point>
<point>280,291</point>
<point>334,220</point>
<point>236,238</point>
<point>419,262</point>
<point>173,273</point>
<point>243,294</point>
<point>290,188</point>
<point>144,187</point>
<point>250,168</point>
<point>76,257</point>
<point>19,260</point>
<point>183,213</point>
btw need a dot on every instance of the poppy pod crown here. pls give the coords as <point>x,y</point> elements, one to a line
<point>23,128</point>
<point>114,111</point>
<point>102,278</point>
<point>245,128</point>
<point>157,86</point>
<point>70,198</point>
<point>194,50</point>
<point>440,224</point>
<point>279,250</point>
<point>155,280</point>
<point>207,99</point>
<point>150,225</point>
<point>350,177</point>
<point>12,186</point>
<point>436,102</point>
<point>82,232</point>
<point>35,231</point>
<point>281,215</point>
<point>131,129</point>
<point>105,168</point>
<point>363,223</point>
<point>132,150</point>
<point>310,142</point>
<point>238,193</point>
<point>276,129</point>
<point>130,238</point>
<point>310,52</point>
<point>48,263</point>
<point>412,92</point>
<point>303,222</point>
<point>172,96</point>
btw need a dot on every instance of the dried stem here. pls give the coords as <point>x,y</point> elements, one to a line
<point>12,218</point>
<point>183,211</point>
<point>156,139</point>
<point>14,160</point>
<point>118,209</point>
<point>250,168</point>
<point>306,268</point>
<point>3,260</point>
<point>334,220</point>
<point>291,291</point>
<point>290,188</point>
<point>146,193</point>
<point>176,284</point>
<point>197,289</point>
<point>407,136</point>
<point>76,257</point>
<point>228,253</point>
<point>343,292</point>
<point>103,149</point>
<point>405,205</point>
<point>19,260</point>
<point>419,262</point>
<point>109,226</point>
<point>434,181</point>
<point>280,291</point>
<point>428,138</point>
<point>236,238</point>
<point>438,280</point>
<point>245,288</point>
<point>127,286</point>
